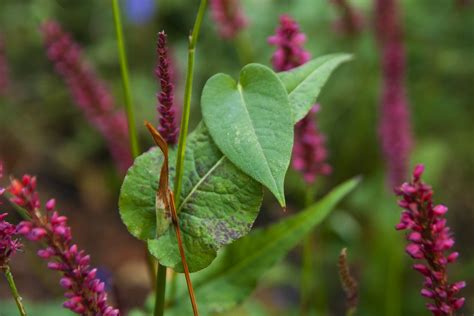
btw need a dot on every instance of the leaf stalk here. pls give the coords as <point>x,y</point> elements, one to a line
<point>187,101</point>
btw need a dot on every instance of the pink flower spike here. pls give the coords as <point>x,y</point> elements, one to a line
<point>88,91</point>
<point>394,123</point>
<point>429,239</point>
<point>288,41</point>
<point>168,127</point>
<point>309,151</point>
<point>84,291</point>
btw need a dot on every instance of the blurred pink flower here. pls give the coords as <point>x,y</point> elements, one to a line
<point>89,92</point>
<point>289,41</point>
<point>309,151</point>
<point>429,239</point>
<point>394,123</point>
<point>228,16</point>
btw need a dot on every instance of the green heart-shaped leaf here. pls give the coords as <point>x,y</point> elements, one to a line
<point>251,123</point>
<point>234,274</point>
<point>218,203</point>
<point>304,83</point>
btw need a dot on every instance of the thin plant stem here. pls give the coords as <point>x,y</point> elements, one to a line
<point>185,116</point>
<point>14,290</point>
<point>243,46</point>
<point>187,100</point>
<point>132,130</point>
<point>307,260</point>
<point>183,257</point>
<point>160,289</point>
<point>173,287</point>
<point>129,109</point>
<point>167,198</point>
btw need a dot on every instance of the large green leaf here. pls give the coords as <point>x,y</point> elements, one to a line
<point>304,83</point>
<point>218,203</point>
<point>251,123</point>
<point>234,274</point>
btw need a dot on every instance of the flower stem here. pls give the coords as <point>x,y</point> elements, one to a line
<point>132,130</point>
<point>243,46</point>
<point>14,290</point>
<point>187,100</point>
<point>307,261</point>
<point>160,290</point>
<point>185,120</point>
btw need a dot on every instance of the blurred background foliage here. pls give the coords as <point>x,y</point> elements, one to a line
<point>42,132</point>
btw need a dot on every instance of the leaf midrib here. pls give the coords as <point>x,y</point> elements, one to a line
<point>241,94</point>
<point>208,173</point>
<point>310,74</point>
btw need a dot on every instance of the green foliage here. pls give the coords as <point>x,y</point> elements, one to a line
<point>251,122</point>
<point>219,203</point>
<point>234,274</point>
<point>304,83</point>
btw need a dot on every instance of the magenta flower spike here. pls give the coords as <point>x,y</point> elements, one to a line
<point>89,92</point>
<point>289,41</point>
<point>309,151</point>
<point>85,293</point>
<point>4,72</point>
<point>394,123</point>
<point>168,126</point>
<point>228,16</point>
<point>429,240</point>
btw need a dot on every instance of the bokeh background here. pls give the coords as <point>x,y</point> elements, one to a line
<point>43,132</point>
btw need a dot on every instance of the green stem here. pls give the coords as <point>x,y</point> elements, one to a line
<point>187,101</point>
<point>307,262</point>
<point>185,116</point>
<point>14,290</point>
<point>243,46</point>
<point>132,130</point>
<point>160,291</point>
